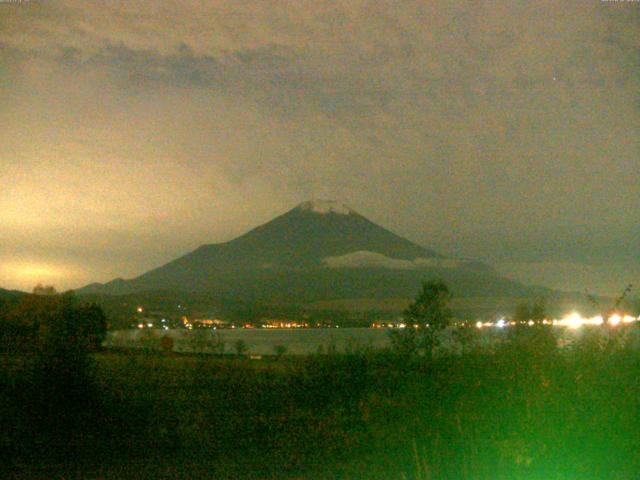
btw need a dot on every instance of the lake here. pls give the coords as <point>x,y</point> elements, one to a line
<point>259,341</point>
<point>312,340</point>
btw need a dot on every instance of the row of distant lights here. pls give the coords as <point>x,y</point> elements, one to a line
<point>163,321</point>
<point>150,325</point>
<point>573,320</point>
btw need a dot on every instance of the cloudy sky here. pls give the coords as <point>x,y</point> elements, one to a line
<point>507,131</point>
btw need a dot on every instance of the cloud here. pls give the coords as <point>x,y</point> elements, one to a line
<point>365,259</point>
<point>605,278</point>
<point>457,124</point>
<point>183,68</point>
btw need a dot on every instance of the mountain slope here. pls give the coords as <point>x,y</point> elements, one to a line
<point>10,293</point>
<point>318,250</point>
<point>301,238</point>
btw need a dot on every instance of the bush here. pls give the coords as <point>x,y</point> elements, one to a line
<point>425,318</point>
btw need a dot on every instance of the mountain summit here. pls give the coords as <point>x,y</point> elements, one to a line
<point>324,206</point>
<point>319,249</point>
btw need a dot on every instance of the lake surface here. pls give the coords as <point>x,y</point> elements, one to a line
<point>258,341</point>
<point>312,340</point>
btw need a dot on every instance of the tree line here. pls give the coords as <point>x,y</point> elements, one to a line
<point>52,321</point>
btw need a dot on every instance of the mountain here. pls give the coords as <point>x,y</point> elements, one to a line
<point>10,293</point>
<point>317,251</point>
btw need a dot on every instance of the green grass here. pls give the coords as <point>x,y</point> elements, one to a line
<point>515,414</point>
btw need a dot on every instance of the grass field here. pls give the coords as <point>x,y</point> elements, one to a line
<point>517,413</point>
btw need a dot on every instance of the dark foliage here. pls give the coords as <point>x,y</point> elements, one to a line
<point>425,318</point>
<point>519,412</point>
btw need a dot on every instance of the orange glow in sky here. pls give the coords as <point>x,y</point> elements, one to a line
<point>28,274</point>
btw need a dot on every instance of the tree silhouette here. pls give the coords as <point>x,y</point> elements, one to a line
<point>431,306</point>
<point>425,318</point>
<point>58,321</point>
<point>536,311</point>
<point>607,312</point>
<point>92,324</point>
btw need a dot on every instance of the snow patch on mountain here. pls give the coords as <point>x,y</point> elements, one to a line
<point>324,206</point>
<point>366,259</point>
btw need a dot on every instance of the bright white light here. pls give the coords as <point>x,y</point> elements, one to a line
<point>615,319</point>
<point>501,323</point>
<point>530,323</point>
<point>479,324</point>
<point>573,320</point>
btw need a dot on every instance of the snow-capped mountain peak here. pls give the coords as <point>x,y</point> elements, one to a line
<point>324,207</point>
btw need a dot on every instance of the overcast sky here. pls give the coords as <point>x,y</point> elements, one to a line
<point>506,131</point>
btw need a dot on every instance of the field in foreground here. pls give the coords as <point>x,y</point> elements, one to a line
<point>520,412</point>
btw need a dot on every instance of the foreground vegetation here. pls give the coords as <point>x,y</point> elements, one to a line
<point>521,408</point>
<point>515,413</point>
